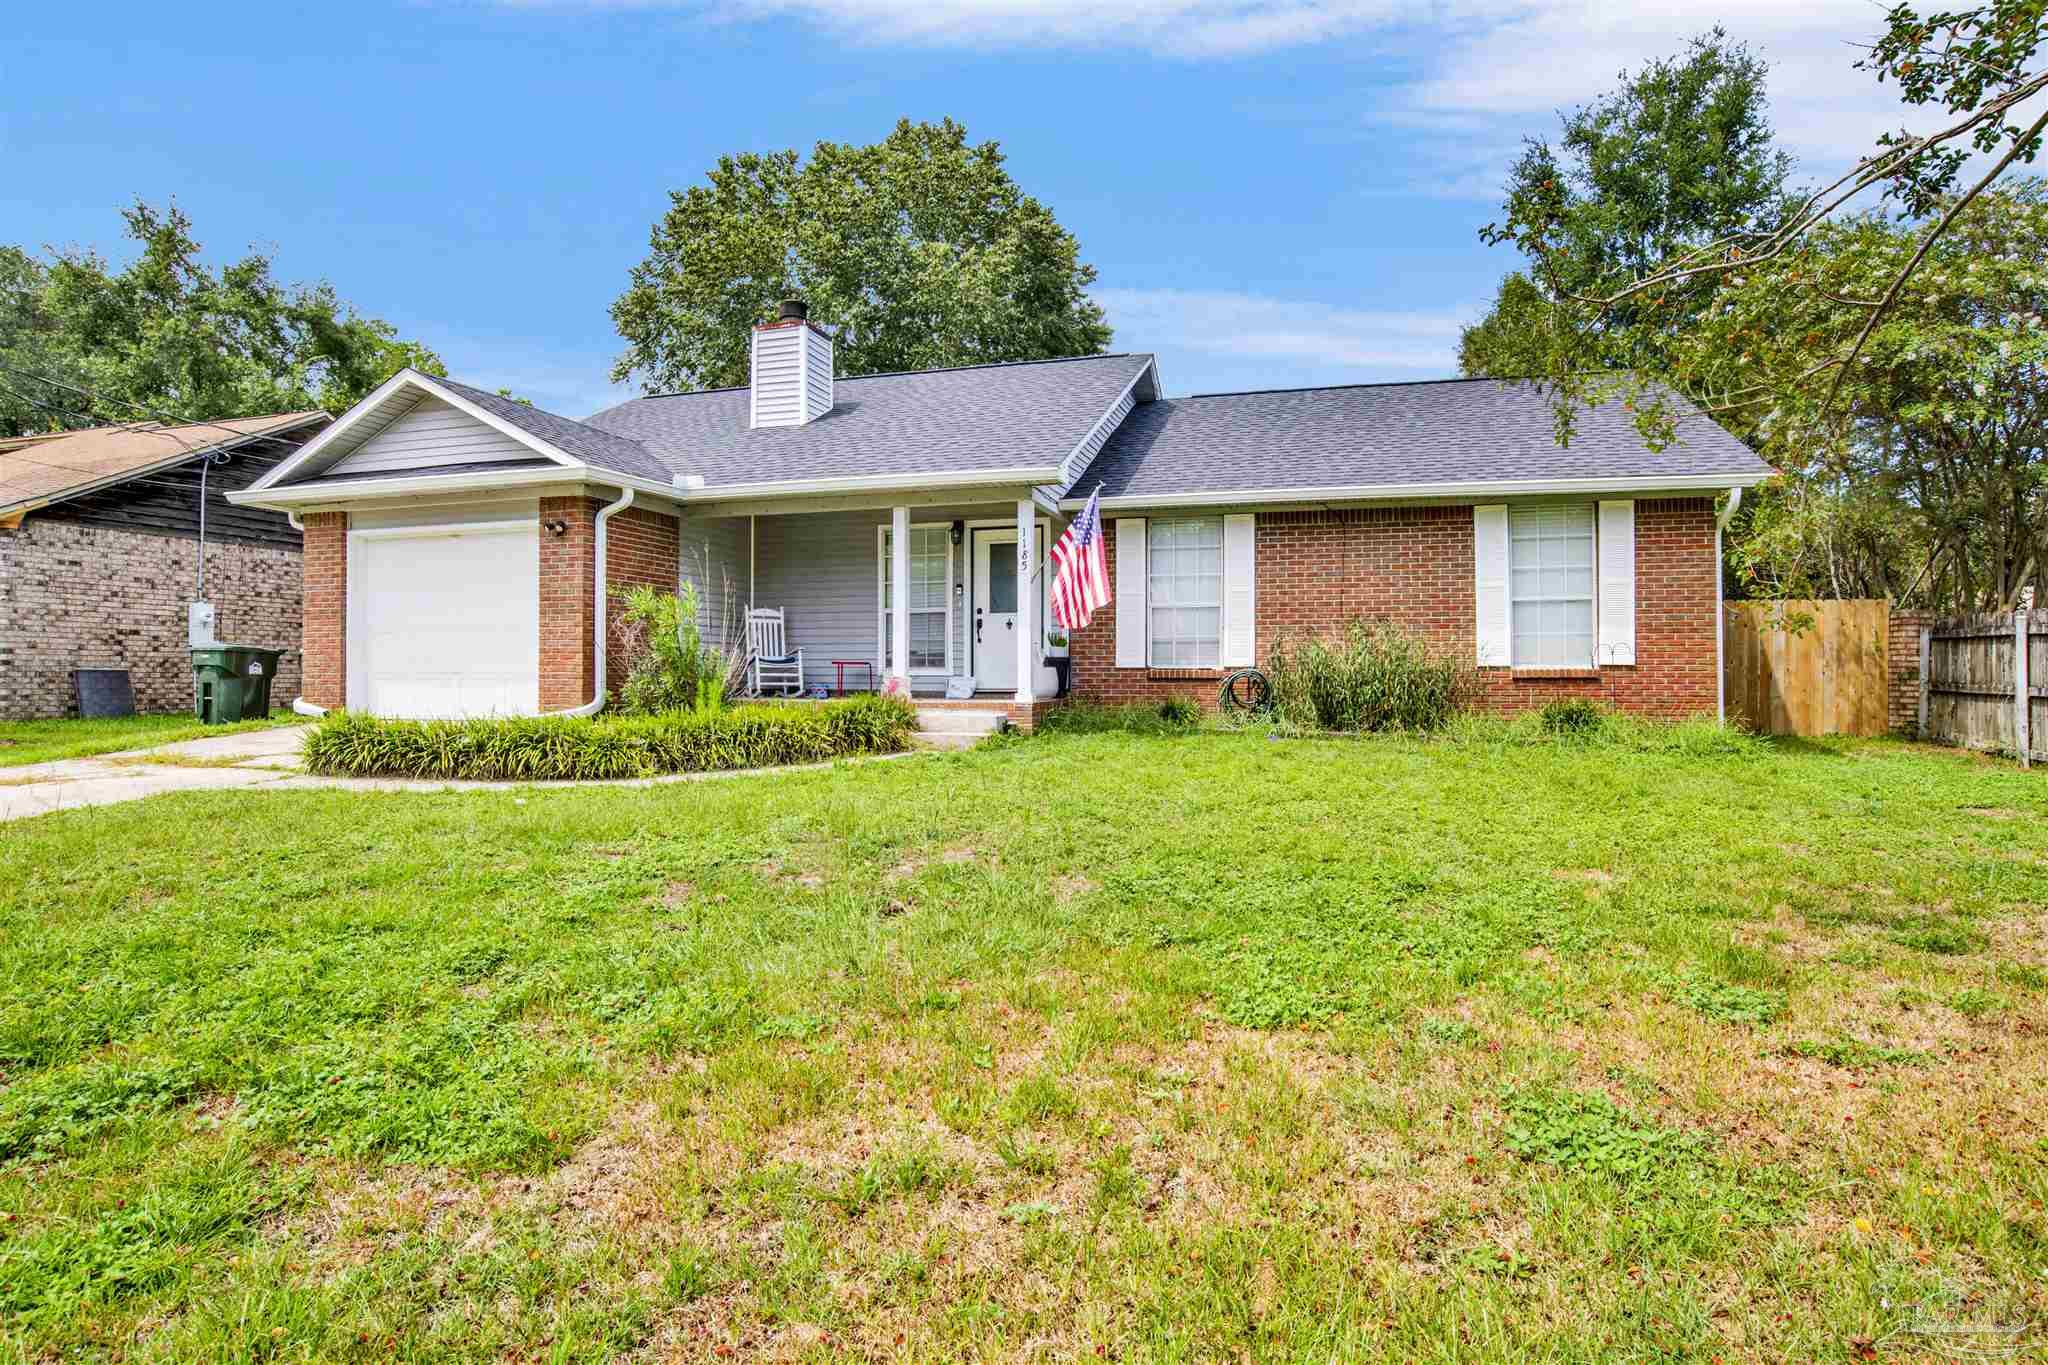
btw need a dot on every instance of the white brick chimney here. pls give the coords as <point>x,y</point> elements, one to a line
<point>792,370</point>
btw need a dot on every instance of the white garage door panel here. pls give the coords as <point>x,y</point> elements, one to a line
<point>449,624</point>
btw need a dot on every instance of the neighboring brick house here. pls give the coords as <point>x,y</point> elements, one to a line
<point>458,542</point>
<point>100,556</point>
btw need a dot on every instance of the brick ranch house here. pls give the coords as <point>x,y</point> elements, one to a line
<point>458,544</point>
<point>100,549</point>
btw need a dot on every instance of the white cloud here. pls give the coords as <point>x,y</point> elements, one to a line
<point>1196,28</point>
<point>1228,335</point>
<point>1485,71</point>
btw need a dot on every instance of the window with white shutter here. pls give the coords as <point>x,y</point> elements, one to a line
<point>1186,592</point>
<point>1133,616</point>
<point>1550,586</point>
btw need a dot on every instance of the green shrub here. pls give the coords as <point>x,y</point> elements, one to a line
<point>1573,718</point>
<point>1371,678</point>
<point>669,665</point>
<point>1175,716</point>
<point>561,748</point>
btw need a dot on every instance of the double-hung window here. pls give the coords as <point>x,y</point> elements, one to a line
<point>931,572</point>
<point>1185,591</point>
<point>1551,586</point>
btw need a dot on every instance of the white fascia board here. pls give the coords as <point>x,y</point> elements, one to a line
<point>1488,488</point>
<point>1067,471</point>
<point>871,483</point>
<point>487,481</point>
<point>408,379</point>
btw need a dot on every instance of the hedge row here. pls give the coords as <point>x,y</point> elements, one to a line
<point>561,748</point>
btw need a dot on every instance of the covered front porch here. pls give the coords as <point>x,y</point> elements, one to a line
<point>973,619</point>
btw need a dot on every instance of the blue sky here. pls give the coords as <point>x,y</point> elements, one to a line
<point>1275,192</point>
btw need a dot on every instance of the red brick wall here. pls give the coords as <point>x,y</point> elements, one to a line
<point>325,631</point>
<point>640,551</point>
<point>1320,569</point>
<point>1902,671</point>
<point>568,591</point>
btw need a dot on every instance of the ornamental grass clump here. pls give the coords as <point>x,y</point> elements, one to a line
<point>570,748</point>
<point>1370,678</point>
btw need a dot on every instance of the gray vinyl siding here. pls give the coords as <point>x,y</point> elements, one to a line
<point>821,570</point>
<point>778,377</point>
<point>714,558</point>
<point>1090,448</point>
<point>817,373</point>
<point>432,434</point>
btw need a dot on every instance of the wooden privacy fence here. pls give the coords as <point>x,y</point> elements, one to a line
<point>1807,667</point>
<point>1984,682</point>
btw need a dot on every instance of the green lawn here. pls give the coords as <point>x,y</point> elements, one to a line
<point>39,741</point>
<point>1218,1047</point>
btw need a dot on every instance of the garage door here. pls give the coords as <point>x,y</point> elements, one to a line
<point>446,623</point>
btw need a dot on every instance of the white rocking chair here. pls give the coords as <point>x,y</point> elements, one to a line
<point>770,662</point>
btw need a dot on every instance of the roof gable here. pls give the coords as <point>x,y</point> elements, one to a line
<point>397,424</point>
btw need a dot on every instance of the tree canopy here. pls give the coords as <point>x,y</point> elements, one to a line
<point>1679,155</point>
<point>168,337</point>
<point>917,251</point>
<point>1937,490</point>
<point>1980,66</point>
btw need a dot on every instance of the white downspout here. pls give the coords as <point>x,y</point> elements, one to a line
<point>596,702</point>
<point>300,706</point>
<point>1721,609</point>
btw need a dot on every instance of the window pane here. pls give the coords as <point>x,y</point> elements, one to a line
<point>1002,578</point>
<point>1185,571</point>
<point>1551,586</point>
<point>928,639</point>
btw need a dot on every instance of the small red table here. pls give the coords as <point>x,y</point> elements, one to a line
<point>839,667</point>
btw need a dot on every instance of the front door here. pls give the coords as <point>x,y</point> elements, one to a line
<point>995,610</point>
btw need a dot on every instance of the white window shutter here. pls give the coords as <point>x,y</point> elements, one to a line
<point>1240,592</point>
<point>1490,584</point>
<point>1133,619</point>
<point>1617,557</point>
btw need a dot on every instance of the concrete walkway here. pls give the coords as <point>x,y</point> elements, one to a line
<point>218,761</point>
<point>262,758</point>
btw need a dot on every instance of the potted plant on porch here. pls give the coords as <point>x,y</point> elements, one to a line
<point>1056,659</point>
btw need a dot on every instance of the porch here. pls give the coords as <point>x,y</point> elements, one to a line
<point>974,613</point>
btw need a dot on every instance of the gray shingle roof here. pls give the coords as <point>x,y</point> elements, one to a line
<point>580,439</point>
<point>1447,431</point>
<point>959,421</point>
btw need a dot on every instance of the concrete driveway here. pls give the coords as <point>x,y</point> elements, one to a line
<point>247,759</point>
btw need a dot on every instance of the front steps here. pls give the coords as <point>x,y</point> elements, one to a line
<point>956,725</point>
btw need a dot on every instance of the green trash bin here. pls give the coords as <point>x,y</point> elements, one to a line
<point>232,682</point>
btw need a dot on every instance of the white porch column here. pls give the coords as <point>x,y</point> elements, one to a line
<point>899,593</point>
<point>1028,643</point>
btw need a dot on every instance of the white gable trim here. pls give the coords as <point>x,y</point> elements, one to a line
<point>1106,425</point>
<point>360,414</point>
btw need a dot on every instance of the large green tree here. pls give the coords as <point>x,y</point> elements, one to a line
<point>1982,67</point>
<point>916,251</point>
<point>1935,490</point>
<point>167,336</point>
<point>1679,155</point>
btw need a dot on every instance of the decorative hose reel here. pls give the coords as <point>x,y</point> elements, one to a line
<point>1246,690</point>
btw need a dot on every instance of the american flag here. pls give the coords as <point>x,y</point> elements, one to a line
<point>1081,578</point>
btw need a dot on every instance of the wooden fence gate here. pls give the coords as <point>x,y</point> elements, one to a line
<point>1984,682</point>
<point>1807,667</point>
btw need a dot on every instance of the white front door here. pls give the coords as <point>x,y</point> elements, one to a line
<point>995,609</point>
